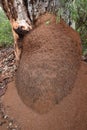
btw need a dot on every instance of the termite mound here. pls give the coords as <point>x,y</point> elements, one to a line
<point>49,64</point>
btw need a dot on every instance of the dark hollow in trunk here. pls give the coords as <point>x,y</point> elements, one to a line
<point>49,64</point>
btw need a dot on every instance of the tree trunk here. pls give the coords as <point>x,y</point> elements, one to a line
<point>17,13</point>
<point>22,15</point>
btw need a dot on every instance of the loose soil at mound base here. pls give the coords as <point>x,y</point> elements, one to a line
<point>70,114</point>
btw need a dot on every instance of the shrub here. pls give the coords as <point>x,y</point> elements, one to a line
<point>6,37</point>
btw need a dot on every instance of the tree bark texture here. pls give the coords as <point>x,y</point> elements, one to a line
<point>22,15</point>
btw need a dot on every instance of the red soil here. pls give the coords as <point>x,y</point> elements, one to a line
<point>70,114</point>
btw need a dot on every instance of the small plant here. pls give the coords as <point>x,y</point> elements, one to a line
<point>47,22</point>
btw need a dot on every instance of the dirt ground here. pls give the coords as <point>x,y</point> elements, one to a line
<point>70,114</point>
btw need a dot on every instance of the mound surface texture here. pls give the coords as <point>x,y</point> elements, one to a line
<point>49,64</point>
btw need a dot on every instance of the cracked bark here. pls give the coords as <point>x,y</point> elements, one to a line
<point>22,14</point>
<point>17,13</point>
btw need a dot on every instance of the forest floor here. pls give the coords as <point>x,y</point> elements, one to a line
<point>7,73</point>
<point>71,114</point>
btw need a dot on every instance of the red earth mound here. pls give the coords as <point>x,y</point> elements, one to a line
<point>49,64</point>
